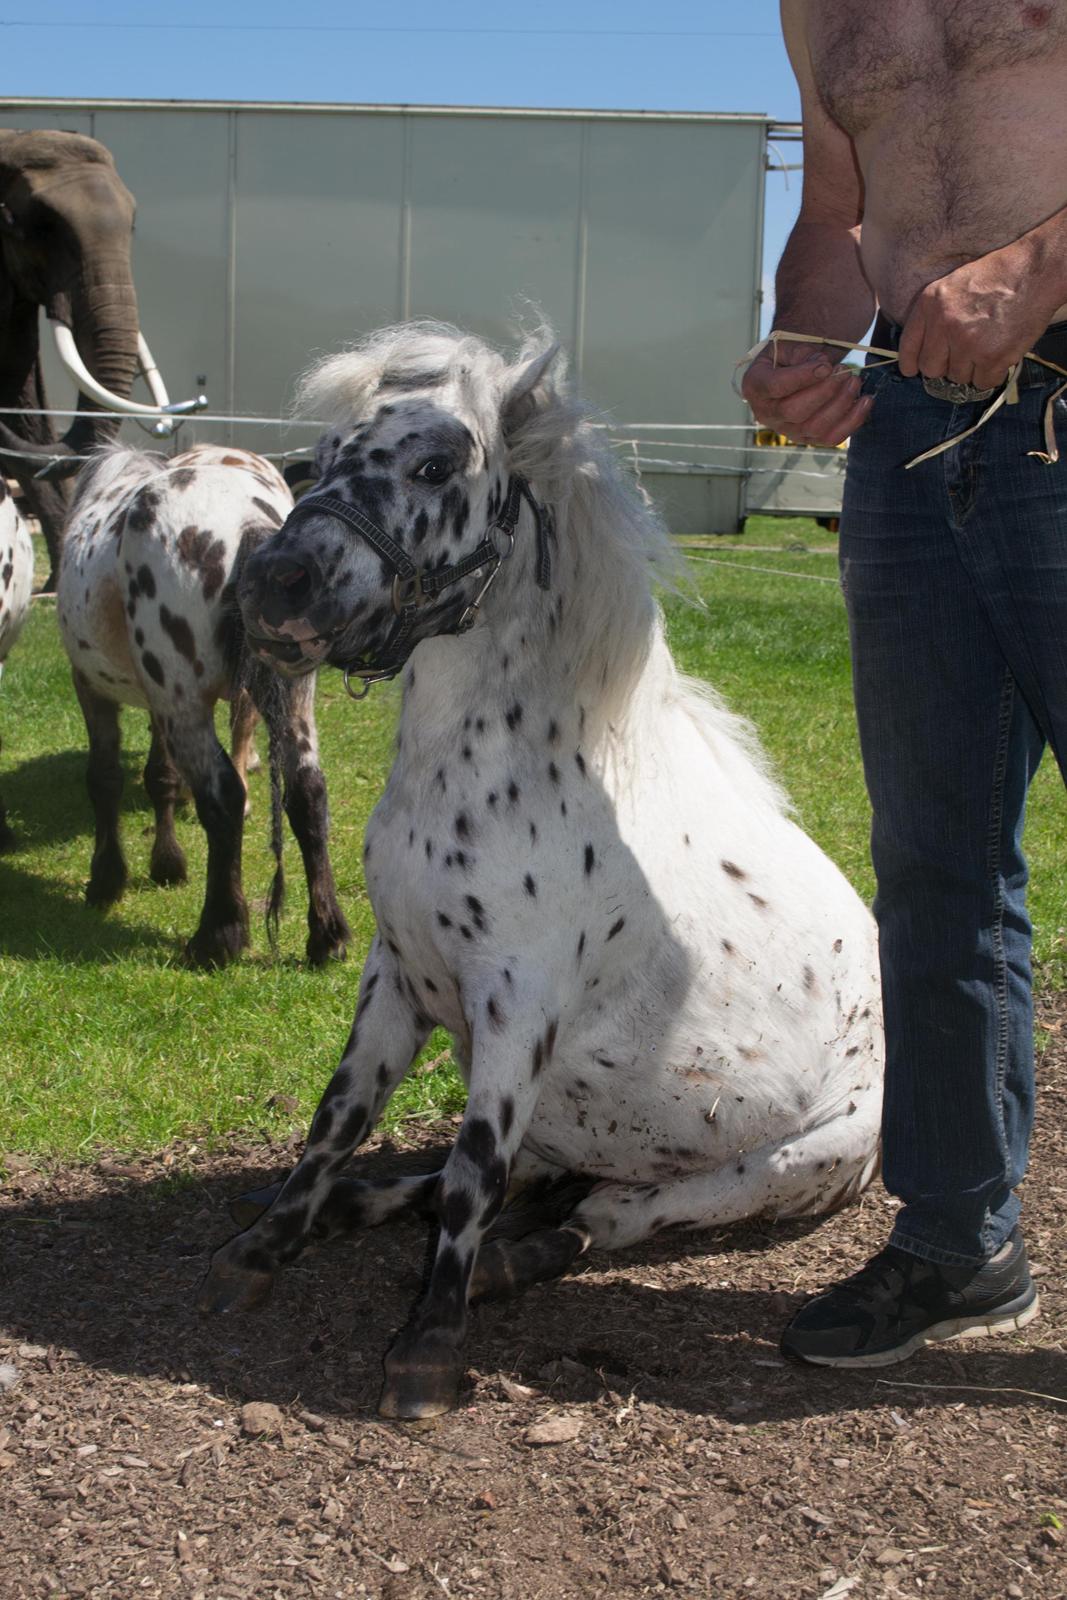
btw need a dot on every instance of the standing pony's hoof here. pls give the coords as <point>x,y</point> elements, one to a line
<point>167,867</point>
<point>327,940</point>
<point>107,878</point>
<point>211,948</point>
<point>422,1378</point>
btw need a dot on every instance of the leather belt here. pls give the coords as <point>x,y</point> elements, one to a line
<point>1052,346</point>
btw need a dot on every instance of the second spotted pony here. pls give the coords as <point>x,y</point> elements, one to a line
<point>150,560</point>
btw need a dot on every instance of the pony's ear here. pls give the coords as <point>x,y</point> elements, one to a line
<point>326,452</point>
<point>521,394</point>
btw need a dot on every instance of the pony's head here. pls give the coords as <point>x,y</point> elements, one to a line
<point>421,496</point>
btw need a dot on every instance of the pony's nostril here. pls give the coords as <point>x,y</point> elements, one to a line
<point>295,580</point>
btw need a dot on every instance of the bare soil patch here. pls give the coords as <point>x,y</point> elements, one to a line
<point>627,1431</point>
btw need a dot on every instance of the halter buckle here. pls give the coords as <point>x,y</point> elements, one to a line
<point>408,592</point>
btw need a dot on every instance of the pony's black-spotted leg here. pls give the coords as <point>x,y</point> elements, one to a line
<point>424,1367</point>
<point>507,1266</point>
<point>387,1032</point>
<point>306,808</point>
<point>351,1205</point>
<point>103,777</point>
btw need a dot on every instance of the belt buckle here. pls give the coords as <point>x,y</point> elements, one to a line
<point>958,394</point>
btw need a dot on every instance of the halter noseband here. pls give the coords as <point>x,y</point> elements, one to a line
<point>416,587</point>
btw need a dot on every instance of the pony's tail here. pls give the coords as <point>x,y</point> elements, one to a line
<point>270,696</point>
<point>276,898</point>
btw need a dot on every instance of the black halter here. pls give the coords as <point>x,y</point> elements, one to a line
<point>415,587</point>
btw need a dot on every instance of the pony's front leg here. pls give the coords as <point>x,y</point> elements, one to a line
<point>387,1033</point>
<point>424,1367</point>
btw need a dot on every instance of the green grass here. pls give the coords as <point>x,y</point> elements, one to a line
<point>107,1042</point>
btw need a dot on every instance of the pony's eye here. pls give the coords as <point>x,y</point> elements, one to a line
<point>438,469</point>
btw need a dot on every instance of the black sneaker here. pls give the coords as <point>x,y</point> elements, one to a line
<point>899,1302</point>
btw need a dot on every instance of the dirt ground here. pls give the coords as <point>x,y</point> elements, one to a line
<point>628,1431</point>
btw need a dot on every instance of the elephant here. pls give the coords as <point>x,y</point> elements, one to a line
<point>66,224</point>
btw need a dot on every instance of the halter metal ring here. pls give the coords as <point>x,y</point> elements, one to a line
<point>363,692</point>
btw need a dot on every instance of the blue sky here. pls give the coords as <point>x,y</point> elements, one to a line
<point>694,55</point>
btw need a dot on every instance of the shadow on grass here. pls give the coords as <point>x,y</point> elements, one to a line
<point>48,804</point>
<point>105,1271</point>
<point>43,918</point>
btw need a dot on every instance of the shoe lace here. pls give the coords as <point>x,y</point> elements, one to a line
<point>886,1272</point>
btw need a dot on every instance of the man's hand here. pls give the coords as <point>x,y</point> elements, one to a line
<point>805,395</point>
<point>976,322</point>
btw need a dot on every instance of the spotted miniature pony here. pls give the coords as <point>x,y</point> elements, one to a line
<point>149,564</point>
<point>661,993</point>
<point>16,583</point>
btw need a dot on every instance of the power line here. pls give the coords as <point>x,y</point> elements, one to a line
<point>341,27</point>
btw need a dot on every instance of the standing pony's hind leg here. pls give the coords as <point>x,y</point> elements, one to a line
<point>103,779</point>
<point>243,752</point>
<point>167,865</point>
<point>289,709</point>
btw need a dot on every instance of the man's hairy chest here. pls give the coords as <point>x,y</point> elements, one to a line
<point>867,58</point>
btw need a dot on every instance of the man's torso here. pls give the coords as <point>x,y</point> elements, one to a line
<point>958,113</point>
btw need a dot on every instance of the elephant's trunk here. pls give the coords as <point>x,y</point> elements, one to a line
<point>101,312</point>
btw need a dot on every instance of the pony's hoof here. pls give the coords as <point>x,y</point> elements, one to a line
<point>167,868</point>
<point>229,1287</point>
<point>328,941</point>
<point>107,880</point>
<point>422,1379</point>
<point>212,948</point>
<point>248,1208</point>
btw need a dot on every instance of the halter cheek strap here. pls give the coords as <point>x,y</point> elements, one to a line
<point>414,587</point>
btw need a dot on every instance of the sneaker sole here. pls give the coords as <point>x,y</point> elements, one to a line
<point>1004,1320</point>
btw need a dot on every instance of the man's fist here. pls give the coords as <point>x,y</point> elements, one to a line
<point>977,321</point>
<point>805,395</point>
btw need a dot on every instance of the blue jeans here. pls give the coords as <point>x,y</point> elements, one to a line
<point>955,580</point>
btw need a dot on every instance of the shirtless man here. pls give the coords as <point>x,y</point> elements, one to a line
<point>935,189</point>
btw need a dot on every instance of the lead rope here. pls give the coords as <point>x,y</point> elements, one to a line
<point>1009,394</point>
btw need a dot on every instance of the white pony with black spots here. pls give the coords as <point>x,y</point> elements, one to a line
<point>16,585</point>
<point>663,996</point>
<point>147,578</point>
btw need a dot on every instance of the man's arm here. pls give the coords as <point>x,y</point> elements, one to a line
<point>975,322</point>
<point>820,286</point>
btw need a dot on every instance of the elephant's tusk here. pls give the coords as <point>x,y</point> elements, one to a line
<point>92,390</point>
<point>152,373</point>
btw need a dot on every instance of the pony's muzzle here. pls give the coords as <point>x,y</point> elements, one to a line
<point>279,586</point>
